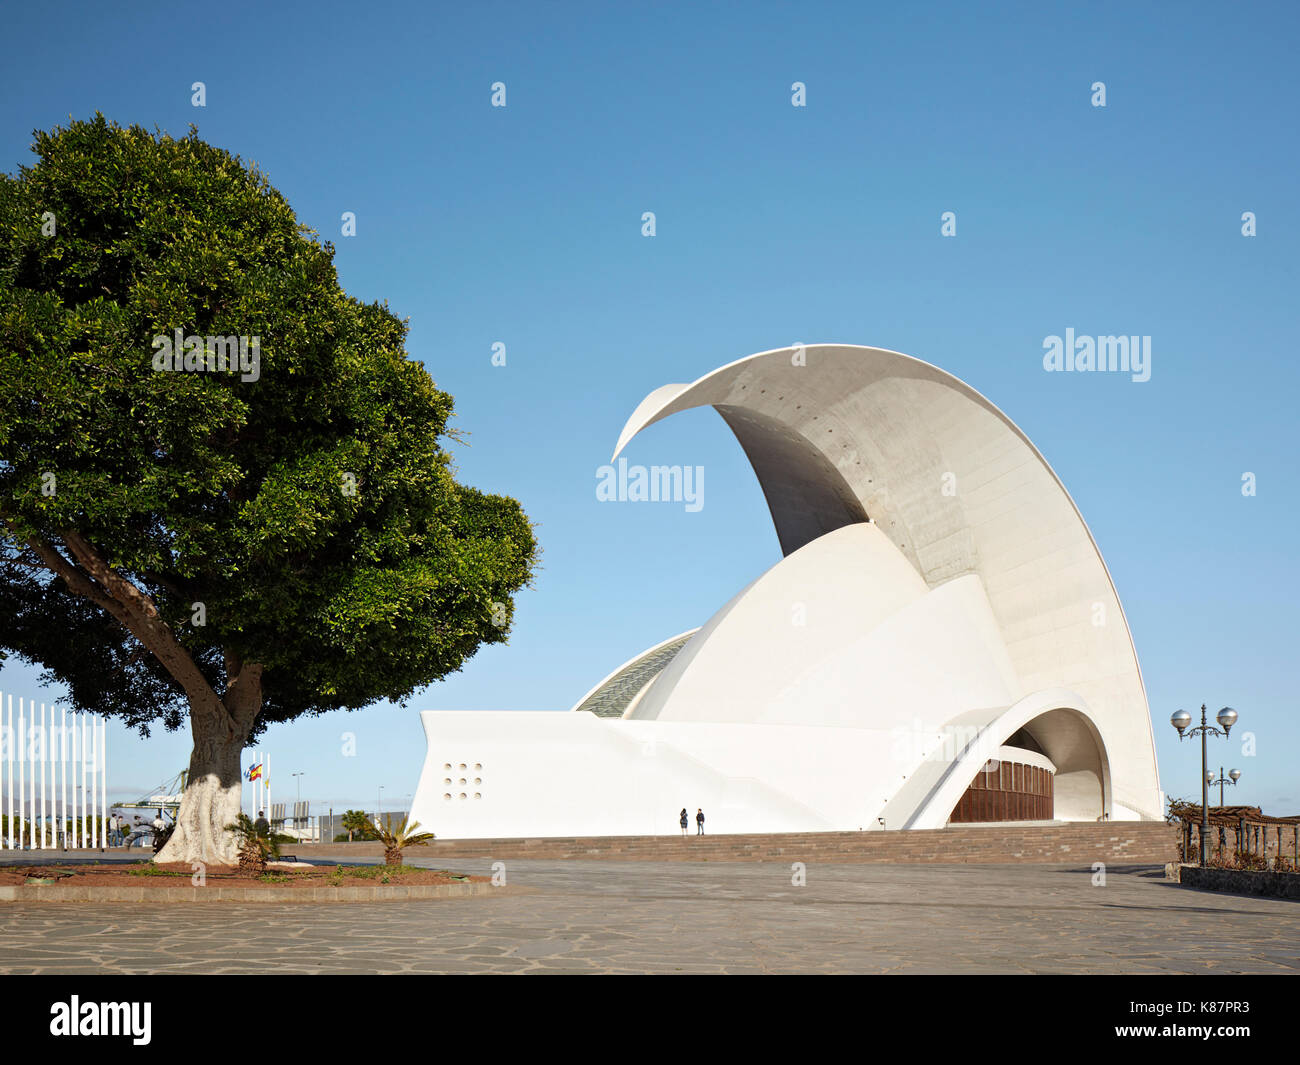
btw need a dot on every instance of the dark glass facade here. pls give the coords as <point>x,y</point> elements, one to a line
<point>1011,792</point>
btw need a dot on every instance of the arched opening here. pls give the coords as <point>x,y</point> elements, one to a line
<point>1054,767</point>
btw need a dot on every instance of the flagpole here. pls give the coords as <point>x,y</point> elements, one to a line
<point>9,772</point>
<point>22,749</point>
<point>63,775</point>
<point>31,778</point>
<point>72,766</point>
<point>85,806</point>
<point>22,784</point>
<point>44,733</point>
<point>103,778</point>
<point>94,782</point>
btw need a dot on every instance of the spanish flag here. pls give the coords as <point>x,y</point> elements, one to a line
<point>254,771</point>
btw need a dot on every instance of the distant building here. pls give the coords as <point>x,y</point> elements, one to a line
<point>940,642</point>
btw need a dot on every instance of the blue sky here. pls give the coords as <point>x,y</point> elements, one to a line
<point>775,224</point>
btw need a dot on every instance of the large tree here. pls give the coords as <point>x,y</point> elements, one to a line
<point>233,546</point>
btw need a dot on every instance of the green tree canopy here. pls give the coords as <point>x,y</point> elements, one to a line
<point>242,547</point>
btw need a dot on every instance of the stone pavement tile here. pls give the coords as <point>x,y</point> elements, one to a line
<point>597,916</point>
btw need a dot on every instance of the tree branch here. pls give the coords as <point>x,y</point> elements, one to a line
<point>90,576</point>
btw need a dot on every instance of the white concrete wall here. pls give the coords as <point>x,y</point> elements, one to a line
<point>571,773</point>
<point>558,774</point>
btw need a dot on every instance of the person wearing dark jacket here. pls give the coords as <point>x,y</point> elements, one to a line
<point>699,822</point>
<point>685,821</point>
<point>262,826</point>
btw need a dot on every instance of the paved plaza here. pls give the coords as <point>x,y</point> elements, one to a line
<point>692,917</point>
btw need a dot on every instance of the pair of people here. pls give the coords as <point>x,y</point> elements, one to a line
<point>699,822</point>
<point>118,830</point>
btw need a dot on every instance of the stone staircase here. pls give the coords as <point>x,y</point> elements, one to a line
<point>1114,842</point>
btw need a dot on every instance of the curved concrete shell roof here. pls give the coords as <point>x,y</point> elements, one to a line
<point>615,694</point>
<point>841,434</point>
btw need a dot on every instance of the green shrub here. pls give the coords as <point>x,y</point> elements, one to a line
<point>255,849</point>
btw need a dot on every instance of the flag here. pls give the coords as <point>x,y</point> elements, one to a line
<point>254,771</point>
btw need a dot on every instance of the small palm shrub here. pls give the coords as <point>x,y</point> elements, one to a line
<point>255,849</point>
<point>357,826</point>
<point>405,835</point>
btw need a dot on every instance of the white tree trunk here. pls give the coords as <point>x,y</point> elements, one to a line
<point>211,800</point>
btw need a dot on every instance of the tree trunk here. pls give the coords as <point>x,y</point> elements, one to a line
<point>211,800</point>
<point>220,725</point>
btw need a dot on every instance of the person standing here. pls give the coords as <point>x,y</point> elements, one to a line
<point>685,821</point>
<point>699,822</point>
<point>262,826</point>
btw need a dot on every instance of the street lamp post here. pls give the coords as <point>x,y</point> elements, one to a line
<point>1227,717</point>
<point>1233,776</point>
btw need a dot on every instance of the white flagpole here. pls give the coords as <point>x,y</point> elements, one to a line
<point>22,783</point>
<point>63,775</point>
<point>85,804</point>
<point>9,770</point>
<point>94,769</point>
<point>42,735</point>
<point>267,776</point>
<point>96,832</point>
<point>54,779</point>
<point>100,834</point>
<point>31,777</point>
<point>103,775</point>
<point>76,798</point>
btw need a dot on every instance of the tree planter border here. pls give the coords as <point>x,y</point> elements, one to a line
<point>225,893</point>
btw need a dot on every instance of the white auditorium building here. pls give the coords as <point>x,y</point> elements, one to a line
<point>941,641</point>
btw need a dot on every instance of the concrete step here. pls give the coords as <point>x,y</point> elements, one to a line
<point>1128,842</point>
